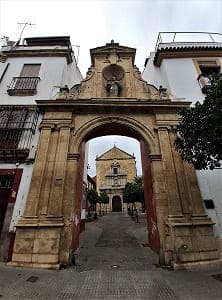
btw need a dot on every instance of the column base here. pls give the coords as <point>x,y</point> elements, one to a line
<point>37,243</point>
<point>189,241</point>
<point>197,264</point>
<point>34,265</point>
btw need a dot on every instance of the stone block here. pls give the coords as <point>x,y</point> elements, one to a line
<point>185,257</point>
<point>206,243</point>
<point>183,244</point>
<point>208,255</point>
<point>25,233</point>
<point>42,245</point>
<point>182,231</point>
<point>19,257</point>
<point>45,258</point>
<point>204,230</point>
<point>23,245</point>
<point>48,233</point>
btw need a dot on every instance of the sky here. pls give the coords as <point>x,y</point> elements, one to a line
<point>90,24</point>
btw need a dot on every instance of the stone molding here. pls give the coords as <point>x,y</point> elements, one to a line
<point>73,156</point>
<point>155,157</point>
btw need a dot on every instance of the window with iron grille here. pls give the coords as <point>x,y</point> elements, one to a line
<point>17,126</point>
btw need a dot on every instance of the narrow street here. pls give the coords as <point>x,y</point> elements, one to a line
<point>112,262</point>
<point>115,241</point>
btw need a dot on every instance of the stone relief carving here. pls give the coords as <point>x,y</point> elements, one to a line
<point>89,74</point>
<point>163,93</point>
<point>75,91</point>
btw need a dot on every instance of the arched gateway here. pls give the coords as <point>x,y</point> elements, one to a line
<point>113,99</point>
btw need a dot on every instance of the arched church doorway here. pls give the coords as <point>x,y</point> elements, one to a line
<point>116,204</point>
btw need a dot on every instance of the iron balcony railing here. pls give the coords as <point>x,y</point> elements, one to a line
<point>182,38</point>
<point>17,127</point>
<point>23,85</point>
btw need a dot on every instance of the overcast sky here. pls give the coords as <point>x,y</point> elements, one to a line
<point>91,24</point>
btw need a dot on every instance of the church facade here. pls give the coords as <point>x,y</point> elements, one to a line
<point>114,169</point>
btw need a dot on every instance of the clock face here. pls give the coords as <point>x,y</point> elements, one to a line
<point>113,71</point>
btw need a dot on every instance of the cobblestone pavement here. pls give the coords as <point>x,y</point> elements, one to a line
<point>111,263</point>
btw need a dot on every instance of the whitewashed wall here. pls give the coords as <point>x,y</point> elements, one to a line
<point>54,73</point>
<point>179,76</point>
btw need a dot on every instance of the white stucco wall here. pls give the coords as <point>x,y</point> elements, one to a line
<point>179,76</point>
<point>182,77</point>
<point>210,183</point>
<point>154,75</point>
<point>54,73</point>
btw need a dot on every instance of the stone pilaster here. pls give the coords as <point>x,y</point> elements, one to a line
<point>58,179</point>
<point>32,203</point>
<point>71,218</point>
<point>160,202</point>
<point>172,192</point>
<point>43,219</point>
<point>189,238</point>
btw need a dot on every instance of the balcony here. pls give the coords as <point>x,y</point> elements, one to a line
<point>23,86</point>
<point>188,39</point>
<point>17,127</point>
<point>187,44</point>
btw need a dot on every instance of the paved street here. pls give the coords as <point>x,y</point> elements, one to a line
<point>113,262</point>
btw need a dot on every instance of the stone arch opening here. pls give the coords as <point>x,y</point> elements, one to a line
<point>123,127</point>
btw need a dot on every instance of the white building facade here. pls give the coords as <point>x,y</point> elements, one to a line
<point>36,70</point>
<point>182,63</point>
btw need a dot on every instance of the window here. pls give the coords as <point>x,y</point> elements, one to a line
<point>205,68</point>
<point>115,170</point>
<point>29,70</point>
<point>209,204</point>
<point>115,167</point>
<point>17,125</point>
<point>27,82</point>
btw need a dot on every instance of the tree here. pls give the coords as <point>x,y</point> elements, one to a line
<point>104,198</point>
<point>199,131</point>
<point>93,198</point>
<point>133,191</point>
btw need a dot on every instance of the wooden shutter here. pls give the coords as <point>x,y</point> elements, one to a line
<point>30,70</point>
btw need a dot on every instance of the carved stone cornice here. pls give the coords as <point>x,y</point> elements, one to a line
<point>162,128</point>
<point>155,157</point>
<point>64,125</point>
<point>67,53</point>
<point>46,126</point>
<point>73,156</point>
<point>47,221</point>
<point>185,52</point>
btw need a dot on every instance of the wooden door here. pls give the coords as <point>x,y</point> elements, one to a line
<point>116,204</point>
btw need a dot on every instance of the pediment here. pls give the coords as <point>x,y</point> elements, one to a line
<point>115,153</point>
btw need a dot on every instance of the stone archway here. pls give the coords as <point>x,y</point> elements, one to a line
<point>48,231</point>
<point>116,204</point>
<point>131,127</point>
